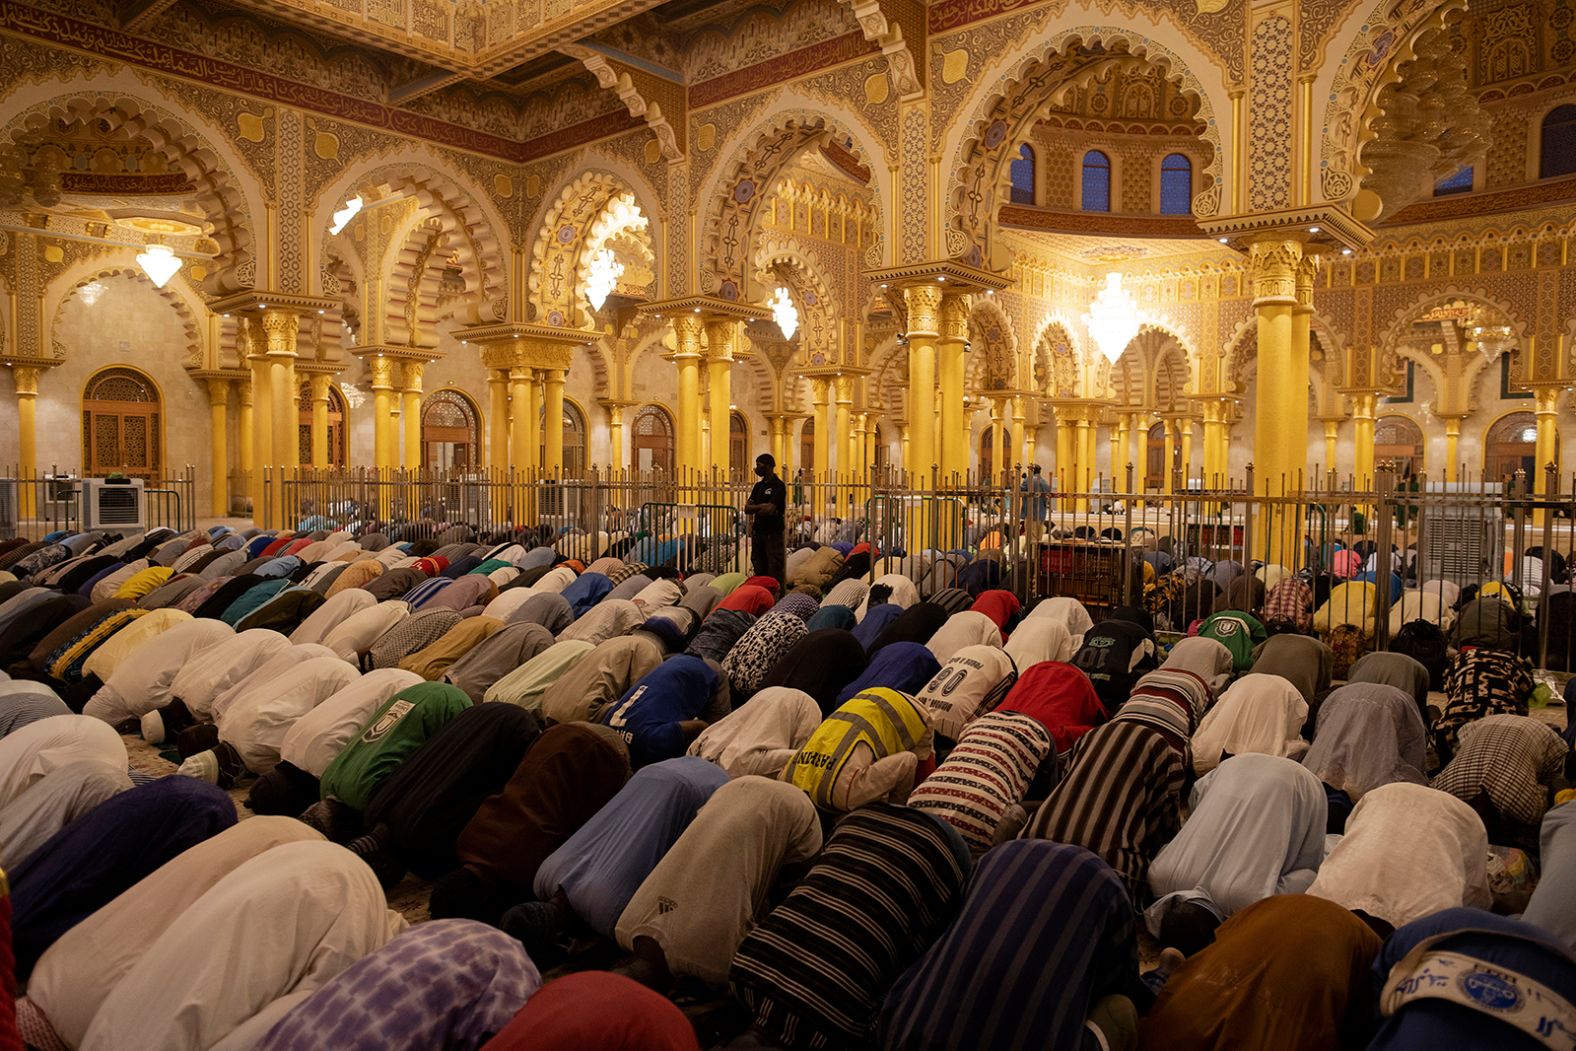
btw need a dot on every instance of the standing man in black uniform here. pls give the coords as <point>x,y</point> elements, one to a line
<point>768,509</point>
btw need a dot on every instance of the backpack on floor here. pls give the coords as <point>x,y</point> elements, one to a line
<point>1424,642</point>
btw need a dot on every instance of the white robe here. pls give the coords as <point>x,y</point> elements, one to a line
<point>53,802</point>
<point>967,628</point>
<point>321,734</point>
<point>239,957</point>
<point>256,721</point>
<point>904,593</point>
<point>37,748</point>
<point>1039,639</point>
<point>142,681</point>
<point>761,735</point>
<point>214,670</point>
<point>268,671</point>
<point>357,632</point>
<point>608,619</point>
<point>1074,617</point>
<point>1409,851</point>
<point>331,614</point>
<point>1258,713</point>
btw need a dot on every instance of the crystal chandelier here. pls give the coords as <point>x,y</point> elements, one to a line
<point>784,312</point>
<point>1492,340</point>
<point>345,214</point>
<point>159,263</point>
<point>602,274</point>
<point>1113,318</point>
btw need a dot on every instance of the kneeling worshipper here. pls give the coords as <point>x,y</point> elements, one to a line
<point>1114,654</point>
<point>1301,660</point>
<point>53,802</point>
<point>1467,978</point>
<point>330,615</point>
<point>1060,698</point>
<point>419,809</point>
<point>668,708</point>
<point>1069,612</point>
<point>1289,973</point>
<point>1172,702</point>
<point>588,688</point>
<point>1553,904</point>
<point>317,737</point>
<point>251,948</point>
<point>1480,683</point>
<point>1121,798</point>
<point>252,726</point>
<point>596,1011</point>
<point>1257,713</point>
<point>141,682</point>
<point>869,749</point>
<point>821,664</point>
<point>88,862</point>
<point>980,788</point>
<point>971,683</point>
<point>1503,768</point>
<point>814,971</point>
<point>211,672</point>
<point>919,623</point>
<point>719,633</point>
<point>23,702</point>
<point>748,663</point>
<point>760,736</point>
<point>1394,669</point>
<point>84,965</point>
<point>607,620</point>
<point>595,873</point>
<point>1369,735</point>
<point>38,748</point>
<point>570,774</point>
<point>395,731</point>
<point>689,916</point>
<point>1044,927</point>
<point>1038,639</point>
<point>449,984</point>
<point>433,662</point>
<point>503,652</point>
<point>1255,829</point>
<point>1206,658</point>
<point>526,685</point>
<point>1408,851</point>
<point>968,628</point>
<point>902,666</point>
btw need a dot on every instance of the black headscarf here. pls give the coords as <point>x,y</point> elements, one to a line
<point>820,664</point>
<point>916,624</point>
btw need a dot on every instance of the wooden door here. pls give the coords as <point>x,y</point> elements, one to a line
<point>121,425</point>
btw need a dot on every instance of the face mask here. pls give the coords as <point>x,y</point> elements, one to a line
<point>760,470</point>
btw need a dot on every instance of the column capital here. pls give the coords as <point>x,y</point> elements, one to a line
<point>26,379</point>
<point>319,383</point>
<point>1273,263</point>
<point>1307,272</point>
<point>955,307</point>
<point>218,391</point>
<point>280,328</point>
<point>924,309</point>
<point>410,375</point>
<point>381,369</point>
<point>722,338</point>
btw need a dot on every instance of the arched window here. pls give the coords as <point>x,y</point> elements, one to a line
<point>989,471</point>
<point>1155,457</point>
<point>1559,143</point>
<point>739,445</point>
<point>651,440</point>
<point>807,446</point>
<point>574,439</point>
<point>337,414</point>
<point>1398,444</point>
<point>1176,185</point>
<point>1510,446</point>
<point>121,424</point>
<point>450,432</point>
<point>1022,171</point>
<point>1460,182</point>
<point>1096,182</point>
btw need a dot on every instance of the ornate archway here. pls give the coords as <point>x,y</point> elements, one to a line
<point>338,419</point>
<point>122,424</point>
<point>651,441</point>
<point>1398,445</point>
<point>450,431</point>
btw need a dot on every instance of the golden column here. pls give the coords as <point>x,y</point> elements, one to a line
<point>319,383</point>
<point>953,334</point>
<point>254,350</point>
<point>841,397</point>
<point>722,344</point>
<point>1217,451</point>
<point>1545,411</point>
<point>1452,448</point>
<point>522,419</point>
<point>687,328</point>
<point>553,419</point>
<point>279,329</point>
<point>1332,438</point>
<point>1364,406</point>
<point>1187,449</point>
<point>1065,471</point>
<point>1120,448</point>
<point>998,440</point>
<point>497,418</point>
<point>381,370</point>
<point>246,432</point>
<point>615,435</point>
<point>1166,473</point>
<point>1023,429</point>
<point>1138,448</point>
<point>1280,426</point>
<point>26,379</point>
<point>820,399</point>
<point>410,412</point>
<point>218,444</point>
<point>924,307</point>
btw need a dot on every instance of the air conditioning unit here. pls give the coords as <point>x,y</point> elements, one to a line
<point>1463,543</point>
<point>113,505</point>
<point>9,509</point>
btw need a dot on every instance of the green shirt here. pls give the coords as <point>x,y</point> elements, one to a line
<point>395,731</point>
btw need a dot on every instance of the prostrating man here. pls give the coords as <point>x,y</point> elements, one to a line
<point>767,507</point>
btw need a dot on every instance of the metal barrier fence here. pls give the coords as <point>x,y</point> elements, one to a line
<point>1102,543</point>
<point>35,504</point>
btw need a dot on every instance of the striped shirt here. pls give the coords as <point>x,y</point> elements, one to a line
<point>987,774</point>
<point>815,970</point>
<point>1121,798</point>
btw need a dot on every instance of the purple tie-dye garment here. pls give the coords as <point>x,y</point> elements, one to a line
<point>447,984</point>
